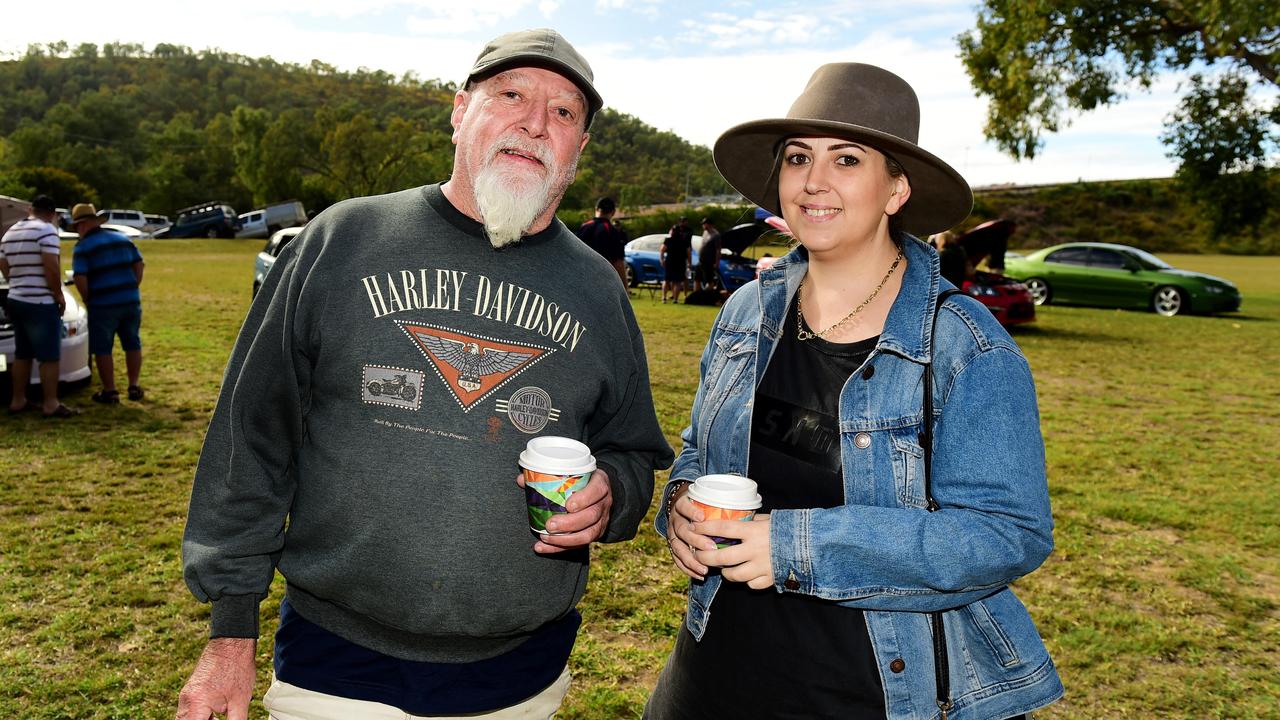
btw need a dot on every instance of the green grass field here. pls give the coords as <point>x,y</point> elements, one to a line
<point>1162,598</point>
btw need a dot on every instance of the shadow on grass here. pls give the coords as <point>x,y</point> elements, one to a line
<point>1057,333</point>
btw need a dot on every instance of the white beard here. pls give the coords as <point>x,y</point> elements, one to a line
<point>508,203</point>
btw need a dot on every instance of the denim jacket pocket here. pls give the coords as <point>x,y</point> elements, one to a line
<point>908,467</point>
<point>989,630</point>
<point>733,352</point>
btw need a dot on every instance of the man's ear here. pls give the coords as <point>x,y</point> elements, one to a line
<point>585,137</point>
<point>461,101</point>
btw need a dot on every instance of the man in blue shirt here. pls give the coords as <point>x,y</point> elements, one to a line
<point>107,271</point>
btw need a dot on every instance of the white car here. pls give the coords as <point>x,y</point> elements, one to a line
<point>74,363</point>
<point>253,224</point>
<point>132,233</point>
<point>132,218</point>
<point>267,258</point>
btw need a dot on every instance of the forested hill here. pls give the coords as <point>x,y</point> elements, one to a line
<point>171,127</point>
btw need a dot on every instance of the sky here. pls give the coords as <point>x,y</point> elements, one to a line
<point>693,67</point>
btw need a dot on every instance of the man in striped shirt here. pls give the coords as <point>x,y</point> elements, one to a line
<point>30,259</point>
<point>108,270</point>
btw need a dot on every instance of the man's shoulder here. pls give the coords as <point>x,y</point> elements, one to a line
<point>358,207</point>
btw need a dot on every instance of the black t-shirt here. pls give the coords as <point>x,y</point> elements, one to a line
<point>782,655</point>
<point>678,245</point>
<point>604,237</point>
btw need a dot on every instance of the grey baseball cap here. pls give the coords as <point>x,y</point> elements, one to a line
<point>543,48</point>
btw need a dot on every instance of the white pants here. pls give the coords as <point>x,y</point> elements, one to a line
<point>290,702</point>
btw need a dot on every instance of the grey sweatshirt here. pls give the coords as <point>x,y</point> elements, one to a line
<point>366,436</point>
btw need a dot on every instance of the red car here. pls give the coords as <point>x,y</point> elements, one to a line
<point>1006,298</point>
<point>1009,300</point>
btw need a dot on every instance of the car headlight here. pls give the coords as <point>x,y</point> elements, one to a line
<point>1214,289</point>
<point>981,290</point>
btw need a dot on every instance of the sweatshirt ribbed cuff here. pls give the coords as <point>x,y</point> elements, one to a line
<point>234,616</point>
<point>611,533</point>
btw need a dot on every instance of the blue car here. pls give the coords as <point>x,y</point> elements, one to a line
<point>644,263</point>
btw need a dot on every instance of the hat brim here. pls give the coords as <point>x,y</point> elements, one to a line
<point>747,156</point>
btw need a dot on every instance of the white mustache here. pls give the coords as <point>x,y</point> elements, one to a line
<point>515,143</point>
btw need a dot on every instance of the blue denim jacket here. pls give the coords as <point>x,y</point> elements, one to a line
<point>882,551</point>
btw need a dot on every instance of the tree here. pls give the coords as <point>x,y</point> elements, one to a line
<point>1222,139</point>
<point>1037,60</point>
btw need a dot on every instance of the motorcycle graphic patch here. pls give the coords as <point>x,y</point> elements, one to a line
<point>529,409</point>
<point>472,366</point>
<point>397,387</point>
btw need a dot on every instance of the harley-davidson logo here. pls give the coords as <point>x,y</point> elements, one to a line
<point>472,366</point>
<point>529,409</point>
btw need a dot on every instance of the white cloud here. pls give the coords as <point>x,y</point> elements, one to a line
<point>641,7</point>
<point>745,85</point>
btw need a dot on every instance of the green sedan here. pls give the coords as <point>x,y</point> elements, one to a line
<point>1119,276</point>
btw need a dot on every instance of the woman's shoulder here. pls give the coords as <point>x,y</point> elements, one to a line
<point>966,329</point>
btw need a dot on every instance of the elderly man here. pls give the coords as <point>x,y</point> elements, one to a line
<point>29,259</point>
<point>398,358</point>
<point>108,270</point>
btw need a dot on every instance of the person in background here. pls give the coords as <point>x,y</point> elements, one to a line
<point>107,271</point>
<point>30,259</point>
<point>675,254</point>
<point>874,580</point>
<point>953,261</point>
<point>414,586</point>
<point>708,274</point>
<point>603,235</point>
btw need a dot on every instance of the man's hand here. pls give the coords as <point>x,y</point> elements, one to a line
<point>222,682</point>
<point>586,520</point>
<point>747,562</point>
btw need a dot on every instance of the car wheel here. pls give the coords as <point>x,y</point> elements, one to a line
<point>211,233</point>
<point>1169,301</point>
<point>1039,289</point>
<point>631,277</point>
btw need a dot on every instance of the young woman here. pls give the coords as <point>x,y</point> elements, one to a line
<point>860,589</point>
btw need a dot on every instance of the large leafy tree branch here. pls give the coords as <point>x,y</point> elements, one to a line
<point>1037,60</point>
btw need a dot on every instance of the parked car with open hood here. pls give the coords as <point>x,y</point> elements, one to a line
<point>644,266</point>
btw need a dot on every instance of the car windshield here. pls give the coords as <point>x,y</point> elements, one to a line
<point>1147,260</point>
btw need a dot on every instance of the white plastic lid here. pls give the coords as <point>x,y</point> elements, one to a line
<point>731,492</point>
<point>555,455</point>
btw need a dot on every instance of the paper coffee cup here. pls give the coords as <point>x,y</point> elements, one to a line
<point>554,469</point>
<point>725,497</point>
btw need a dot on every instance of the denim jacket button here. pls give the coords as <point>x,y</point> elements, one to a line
<point>868,372</point>
<point>862,440</point>
<point>897,665</point>
<point>791,584</point>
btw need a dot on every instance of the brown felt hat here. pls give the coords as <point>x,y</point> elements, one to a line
<point>856,102</point>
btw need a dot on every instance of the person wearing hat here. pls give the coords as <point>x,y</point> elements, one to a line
<point>107,271</point>
<point>873,582</point>
<point>676,254</point>
<point>29,260</point>
<point>603,235</point>
<point>392,368</point>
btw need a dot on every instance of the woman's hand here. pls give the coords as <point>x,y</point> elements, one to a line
<point>683,539</point>
<point>747,562</point>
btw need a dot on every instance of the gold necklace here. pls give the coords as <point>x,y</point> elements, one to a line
<point>802,334</point>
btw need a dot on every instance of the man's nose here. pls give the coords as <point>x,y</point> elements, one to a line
<point>534,121</point>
